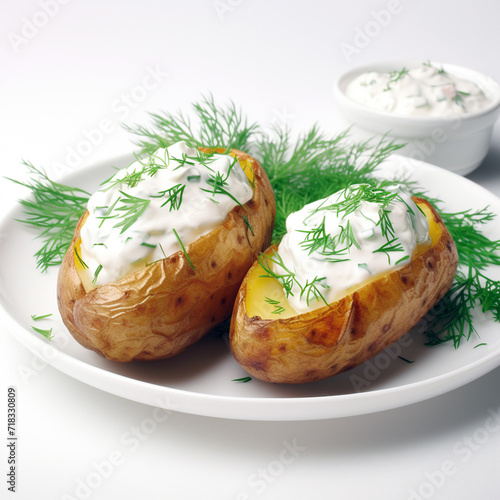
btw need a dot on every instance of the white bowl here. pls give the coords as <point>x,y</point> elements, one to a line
<point>457,143</point>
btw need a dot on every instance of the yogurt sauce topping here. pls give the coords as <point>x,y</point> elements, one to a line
<point>422,91</point>
<point>155,206</point>
<point>345,239</point>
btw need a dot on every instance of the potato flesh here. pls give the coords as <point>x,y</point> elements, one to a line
<point>259,287</point>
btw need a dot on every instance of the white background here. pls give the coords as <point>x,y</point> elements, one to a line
<point>85,65</point>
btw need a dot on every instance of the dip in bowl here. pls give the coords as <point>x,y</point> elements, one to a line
<point>444,113</point>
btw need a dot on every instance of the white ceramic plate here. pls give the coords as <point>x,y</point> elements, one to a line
<point>200,380</point>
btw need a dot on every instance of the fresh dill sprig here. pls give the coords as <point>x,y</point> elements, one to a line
<point>217,180</point>
<point>219,126</point>
<point>274,267</point>
<point>315,166</point>
<point>53,210</point>
<point>173,195</point>
<point>475,250</point>
<point>388,247</point>
<point>129,211</point>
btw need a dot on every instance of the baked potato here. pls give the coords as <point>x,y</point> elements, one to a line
<point>161,308</point>
<point>314,345</point>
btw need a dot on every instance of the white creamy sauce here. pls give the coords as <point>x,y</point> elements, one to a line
<point>133,216</point>
<point>345,239</point>
<point>422,91</point>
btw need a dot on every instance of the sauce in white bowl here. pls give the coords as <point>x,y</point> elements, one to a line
<point>444,114</point>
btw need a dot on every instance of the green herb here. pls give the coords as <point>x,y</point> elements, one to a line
<point>311,291</point>
<point>395,76</point>
<point>45,333</point>
<point>34,317</point>
<point>183,249</point>
<point>131,179</point>
<point>315,166</point>
<point>243,380</point>
<point>96,274</point>
<point>80,260</point>
<point>53,210</point>
<point>220,126</point>
<point>218,181</point>
<point>405,360</point>
<point>365,267</point>
<point>282,274</point>
<point>390,246</point>
<point>247,222</point>
<point>441,70</point>
<point>130,210</point>
<point>402,259</point>
<point>288,279</point>
<point>452,318</point>
<point>163,251</point>
<point>278,309</point>
<point>174,196</point>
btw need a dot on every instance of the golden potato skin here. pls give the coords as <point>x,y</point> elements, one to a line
<point>160,310</point>
<point>335,338</point>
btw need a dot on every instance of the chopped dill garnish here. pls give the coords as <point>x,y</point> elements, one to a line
<point>278,309</point>
<point>218,181</point>
<point>247,222</point>
<point>130,210</point>
<point>274,267</point>
<point>34,317</point>
<point>96,274</point>
<point>405,360</point>
<point>281,274</point>
<point>174,196</point>
<point>395,76</point>
<point>243,380</point>
<point>390,246</point>
<point>80,260</point>
<point>45,333</point>
<point>183,249</point>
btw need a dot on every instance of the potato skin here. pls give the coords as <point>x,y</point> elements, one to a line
<point>335,338</point>
<point>160,310</point>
